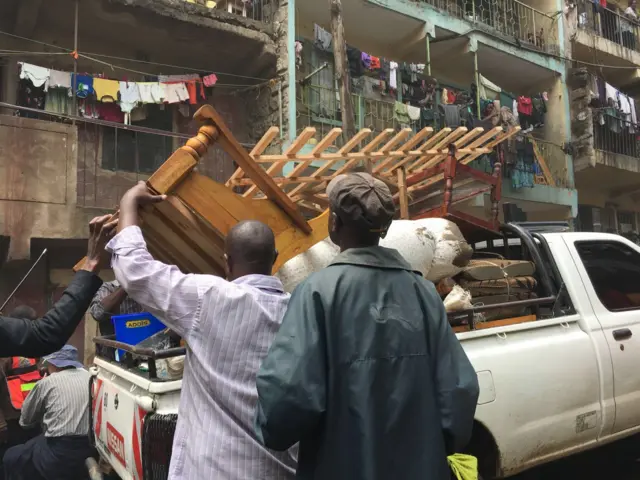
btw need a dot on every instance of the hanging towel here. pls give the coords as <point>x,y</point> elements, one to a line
<point>322,38</point>
<point>413,112</point>
<point>488,89</point>
<point>211,80</point>
<point>152,92</point>
<point>400,114</point>
<point>57,100</point>
<point>176,92</point>
<point>393,75</point>
<point>464,467</point>
<point>106,90</point>
<point>39,76</point>
<point>83,85</point>
<point>60,79</point>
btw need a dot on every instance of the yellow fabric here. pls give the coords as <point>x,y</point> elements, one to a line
<point>27,387</point>
<point>106,90</point>
<point>464,467</point>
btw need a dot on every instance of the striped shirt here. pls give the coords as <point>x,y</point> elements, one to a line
<point>60,403</point>
<point>126,307</point>
<point>228,327</point>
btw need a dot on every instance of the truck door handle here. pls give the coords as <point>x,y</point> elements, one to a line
<point>622,334</point>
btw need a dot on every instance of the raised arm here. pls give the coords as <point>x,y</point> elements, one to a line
<point>107,302</point>
<point>36,338</point>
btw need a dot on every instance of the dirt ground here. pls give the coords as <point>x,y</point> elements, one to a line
<point>619,461</point>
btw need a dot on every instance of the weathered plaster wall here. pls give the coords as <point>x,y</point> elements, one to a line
<point>581,119</point>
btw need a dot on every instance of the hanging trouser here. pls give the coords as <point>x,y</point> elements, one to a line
<point>49,458</point>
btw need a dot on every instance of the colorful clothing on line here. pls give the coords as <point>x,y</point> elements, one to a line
<point>106,90</point>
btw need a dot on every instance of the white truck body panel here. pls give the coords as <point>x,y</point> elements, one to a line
<point>117,424</point>
<point>546,387</point>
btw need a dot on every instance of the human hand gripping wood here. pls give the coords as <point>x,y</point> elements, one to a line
<point>101,230</point>
<point>135,198</point>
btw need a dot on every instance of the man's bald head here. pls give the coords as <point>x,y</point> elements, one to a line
<point>251,249</point>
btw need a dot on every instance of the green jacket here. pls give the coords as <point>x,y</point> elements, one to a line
<point>367,375</point>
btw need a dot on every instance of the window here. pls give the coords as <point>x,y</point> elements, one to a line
<point>124,150</point>
<point>614,271</point>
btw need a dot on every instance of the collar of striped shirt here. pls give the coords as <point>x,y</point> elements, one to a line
<point>263,282</point>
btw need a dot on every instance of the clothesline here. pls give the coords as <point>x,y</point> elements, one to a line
<point>127,95</point>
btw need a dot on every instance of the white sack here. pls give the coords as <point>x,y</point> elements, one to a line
<point>452,252</point>
<point>415,242</point>
<point>427,245</point>
<point>458,299</point>
<point>301,266</point>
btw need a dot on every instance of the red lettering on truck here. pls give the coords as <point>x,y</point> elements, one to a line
<point>115,443</point>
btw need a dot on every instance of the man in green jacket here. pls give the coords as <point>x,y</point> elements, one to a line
<point>365,371</point>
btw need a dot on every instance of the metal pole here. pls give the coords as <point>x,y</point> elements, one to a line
<point>428,55</point>
<point>477,73</point>
<point>44,252</point>
<point>75,62</point>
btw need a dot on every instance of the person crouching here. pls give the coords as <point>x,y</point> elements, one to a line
<point>60,403</point>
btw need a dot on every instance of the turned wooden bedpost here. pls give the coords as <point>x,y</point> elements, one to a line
<point>496,190</point>
<point>449,174</point>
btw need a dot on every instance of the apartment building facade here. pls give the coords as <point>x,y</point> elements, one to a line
<point>517,49</point>
<point>66,159</point>
<point>605,85</point>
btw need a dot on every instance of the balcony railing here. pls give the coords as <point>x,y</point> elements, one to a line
<point>509,18</point>
<point>613,135</point>
<point>609,24</point>
<point>319,107</point>
<point>260,10</point>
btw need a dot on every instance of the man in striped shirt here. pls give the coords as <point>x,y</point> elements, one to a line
<point>111,300</point>
<point>228,327</point>
<point>60,404</point>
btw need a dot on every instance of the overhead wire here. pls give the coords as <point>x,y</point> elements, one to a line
<point>91,55</point>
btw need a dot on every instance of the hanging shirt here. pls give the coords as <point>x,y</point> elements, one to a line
<point>83,85</point>
<point>366,60</point>
<point>393,75</point>
<point>611,93</point>
<point>152,92</point>
<point>39,76</point>
<point>106,90</point>
<point>60,79</point>
<point>375,63</point>
<point>192,89</point>
<point>525,106</point>
<point>176,92</point>
<point>129,96</point>
<point>111,113</point>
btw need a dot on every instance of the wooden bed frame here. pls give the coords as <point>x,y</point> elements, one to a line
<point>189,229</point>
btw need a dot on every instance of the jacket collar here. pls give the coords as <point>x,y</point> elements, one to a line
<point>377,257</point>
<point>262,282</point>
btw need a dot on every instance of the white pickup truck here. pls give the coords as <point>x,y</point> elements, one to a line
<point>567,382</point>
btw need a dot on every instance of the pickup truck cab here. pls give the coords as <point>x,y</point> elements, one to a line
<point>563,380</point>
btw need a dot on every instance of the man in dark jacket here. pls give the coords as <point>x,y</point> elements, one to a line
<point>37,338</point>
<point>365,371</point>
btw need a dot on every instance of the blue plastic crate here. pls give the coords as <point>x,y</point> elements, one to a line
<point>134,328</point>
